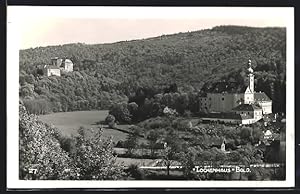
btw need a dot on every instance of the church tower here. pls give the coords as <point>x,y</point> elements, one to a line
<point>249,93</point>
<point>251,77</point>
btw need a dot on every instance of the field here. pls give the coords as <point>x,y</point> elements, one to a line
<point>69,122</point>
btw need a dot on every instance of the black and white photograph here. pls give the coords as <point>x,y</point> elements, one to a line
<point>150,97</point>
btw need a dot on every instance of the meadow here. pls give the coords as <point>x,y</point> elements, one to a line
<point>69,122</point>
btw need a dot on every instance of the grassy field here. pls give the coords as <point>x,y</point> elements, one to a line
<point>69,122</point>
<point>135,161</point>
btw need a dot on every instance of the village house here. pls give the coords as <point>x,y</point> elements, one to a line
<point>227,102</point>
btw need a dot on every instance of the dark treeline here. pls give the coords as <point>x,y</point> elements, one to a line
<point>106,74</point>
<point>147,103</point>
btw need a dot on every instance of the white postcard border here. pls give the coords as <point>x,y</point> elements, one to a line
<point>13,40</point>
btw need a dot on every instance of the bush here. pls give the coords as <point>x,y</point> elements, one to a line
<point>121,144</point>
<point>110,121</point>
<point>156,123</point>
<point>181,125</point>
<point>136,173</point>
<point>67,144</point>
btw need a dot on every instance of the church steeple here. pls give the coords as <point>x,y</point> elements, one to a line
<point>249,93</point>
<point>251,76</point>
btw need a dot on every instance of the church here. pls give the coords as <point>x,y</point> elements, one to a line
<point>227,102</point>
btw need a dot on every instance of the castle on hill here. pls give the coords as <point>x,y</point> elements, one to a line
<point>57,66</point>
<point>226,102</point>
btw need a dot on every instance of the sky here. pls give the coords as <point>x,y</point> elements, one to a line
<point>44,26</point>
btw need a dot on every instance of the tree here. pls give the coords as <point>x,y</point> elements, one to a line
<point>27,90</point>
<point>172,146</point>
<point>37,106</point>
<point>132,140</point>
<point>188,159</point>
<point>173,141</point>
<point>94,157</point>
<point>172,88</point>
<point>110,120</point>
<point>257,134</point>
<point>121,113</point>
<point>40,155</point>
<point>133,109</point>
<point>246,134</point>
<point>153,137</point>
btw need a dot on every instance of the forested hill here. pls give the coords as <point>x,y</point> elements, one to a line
<point>108,73</point>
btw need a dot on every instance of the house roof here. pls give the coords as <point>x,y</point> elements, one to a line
<point>225,87</point>
<point>261,96</point>
<point>245,116</point>
<point>228,115</point>
<point>51,67</point>
<point>268,132</point>
<point>246,107</point>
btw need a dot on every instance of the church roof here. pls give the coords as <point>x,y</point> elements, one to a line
<point>261,96</point>
<point>225,87</point>
<point>247,107</point>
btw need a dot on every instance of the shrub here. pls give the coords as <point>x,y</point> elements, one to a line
<point>110,121</point>
<point>136,173</point>
<point>120,144</point>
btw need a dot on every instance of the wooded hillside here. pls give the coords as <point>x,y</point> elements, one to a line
<point>108,73</point>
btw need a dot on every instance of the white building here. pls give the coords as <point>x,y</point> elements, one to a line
<point>66,65</point>
<point>50,70</point>
<point>224,97</point>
